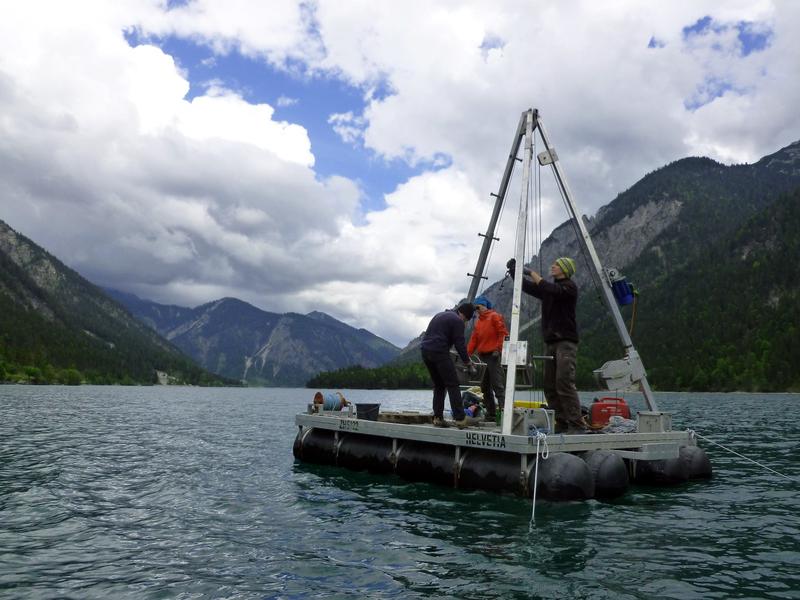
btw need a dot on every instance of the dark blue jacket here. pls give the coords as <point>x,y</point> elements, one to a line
<point>445,329</point>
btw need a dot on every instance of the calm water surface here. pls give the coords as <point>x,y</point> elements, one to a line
<point>116,492</point>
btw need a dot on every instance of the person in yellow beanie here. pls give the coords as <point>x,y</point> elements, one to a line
<point>560,332</point>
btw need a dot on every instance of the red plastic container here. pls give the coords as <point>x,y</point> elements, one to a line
<point>604,408</point>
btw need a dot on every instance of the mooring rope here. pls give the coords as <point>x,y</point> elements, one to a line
<point>771,470</point>
<point>541,438</point>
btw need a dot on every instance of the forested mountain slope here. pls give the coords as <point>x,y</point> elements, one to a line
<point>728,320</point>
<point>57,327</point>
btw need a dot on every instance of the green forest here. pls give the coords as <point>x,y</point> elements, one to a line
<point>409,376</point>
<point>727,321</point>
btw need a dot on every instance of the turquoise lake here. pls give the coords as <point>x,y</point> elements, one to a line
<point>174,492</point>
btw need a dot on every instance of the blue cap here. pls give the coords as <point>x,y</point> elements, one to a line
<point>484,301</point>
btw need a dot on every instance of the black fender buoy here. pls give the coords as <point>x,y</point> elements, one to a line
<point>365,453</point>
<point>609,472</point>
<point>669,471</point>
<point>422,461</point>
<point>563,476</point>
<point>298,444</point>
<point>697,462</point>
<point>487,470</point>
<point>315,446</point>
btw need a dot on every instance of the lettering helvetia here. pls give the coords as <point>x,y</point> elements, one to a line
<point>485,440</point>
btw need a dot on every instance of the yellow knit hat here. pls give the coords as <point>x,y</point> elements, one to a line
<point>567,266</point>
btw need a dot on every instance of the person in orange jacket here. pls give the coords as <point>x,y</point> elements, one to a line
<point>487,339</point>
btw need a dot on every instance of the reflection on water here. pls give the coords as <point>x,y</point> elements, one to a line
<point>162,492</point>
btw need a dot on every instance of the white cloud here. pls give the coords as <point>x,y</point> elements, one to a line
<point>284,101</point>
<point>277,31</point>
<point>347,126</point>
<point>223,115</point>
<point>600,88</point>
<point>108,162</point>
<point>411,258</point>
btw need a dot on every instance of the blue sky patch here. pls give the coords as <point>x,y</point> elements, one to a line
<point>710,89</point>
<point>654,43</point>
<point>306,100</point>
<point>750,37</point>
<point>381,89</point>
<point>701,27</point>
<point>491,42</point>
<point>753,36</point>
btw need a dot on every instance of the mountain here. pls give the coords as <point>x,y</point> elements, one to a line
<point>55,326</point>
<point>730,321</point>
<point>238,340</point>
<point>673,233</point>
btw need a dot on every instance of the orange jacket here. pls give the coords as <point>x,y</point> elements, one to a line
<point>489,333</point>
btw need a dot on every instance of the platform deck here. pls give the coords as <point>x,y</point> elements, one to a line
<point>487,435</point>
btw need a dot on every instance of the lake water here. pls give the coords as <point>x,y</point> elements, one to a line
<point>168,492</point>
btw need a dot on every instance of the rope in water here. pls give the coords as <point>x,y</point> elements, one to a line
<point>771,470</point>
<point>541,438</point>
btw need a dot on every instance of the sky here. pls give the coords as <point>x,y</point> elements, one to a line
<point>339,155</point>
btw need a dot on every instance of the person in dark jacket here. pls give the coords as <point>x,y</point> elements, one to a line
<point>560,332</point>
<point>446,329</point>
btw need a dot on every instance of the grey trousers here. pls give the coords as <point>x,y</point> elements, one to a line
<point>559,383</point>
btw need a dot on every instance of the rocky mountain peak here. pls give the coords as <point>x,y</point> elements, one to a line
<point>231,337</point>
<point>785,161</point>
